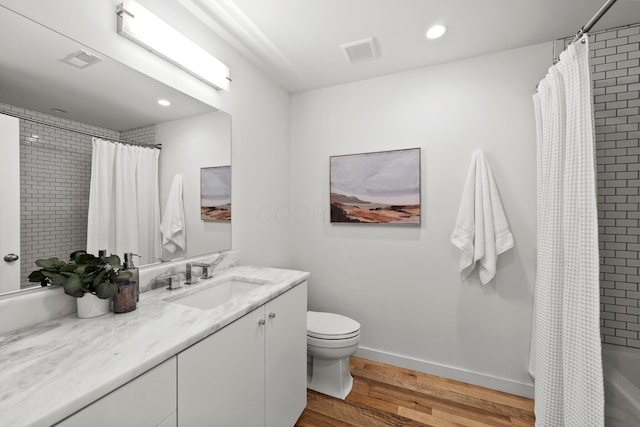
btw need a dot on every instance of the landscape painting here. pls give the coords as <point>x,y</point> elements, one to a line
<point>215,193</point>
<point>380,188</point>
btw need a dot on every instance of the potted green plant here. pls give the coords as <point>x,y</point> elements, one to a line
<point>83,275</point>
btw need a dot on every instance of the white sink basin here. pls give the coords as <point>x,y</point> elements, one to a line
<point>214,295</point>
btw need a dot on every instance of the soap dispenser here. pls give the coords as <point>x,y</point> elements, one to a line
<point>128,265</point>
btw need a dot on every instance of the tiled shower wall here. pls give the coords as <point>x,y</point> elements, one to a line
<point>146,135</point>
<point>55,173</point>
<point>615,57</point>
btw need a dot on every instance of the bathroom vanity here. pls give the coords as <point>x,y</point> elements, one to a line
<point>249,373</point>
<point>241,360</point>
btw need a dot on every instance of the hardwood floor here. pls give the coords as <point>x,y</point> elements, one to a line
<point>385,395</point>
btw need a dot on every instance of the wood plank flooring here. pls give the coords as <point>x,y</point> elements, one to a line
<point>385,395</point>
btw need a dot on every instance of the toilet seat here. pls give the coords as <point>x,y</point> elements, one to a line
<point>331,326</point>
<point>341,343</point>
<point>333,337</point>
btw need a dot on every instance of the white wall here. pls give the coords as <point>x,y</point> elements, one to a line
<point>259,107</point>
<point>260,172</point>
<point>401,282</point>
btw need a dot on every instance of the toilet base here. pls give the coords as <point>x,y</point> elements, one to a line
<point>329,376</point>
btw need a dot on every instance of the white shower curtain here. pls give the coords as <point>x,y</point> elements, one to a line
<point>565,358</point>
<point>124,206</point>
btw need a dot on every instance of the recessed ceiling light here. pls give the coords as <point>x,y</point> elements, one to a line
<point>164,102</point>
<point>436,31</point>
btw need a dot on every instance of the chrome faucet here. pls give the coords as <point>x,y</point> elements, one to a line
<point>171,281</point>
<point>204,275</point>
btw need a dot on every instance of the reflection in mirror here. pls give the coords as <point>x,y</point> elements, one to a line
<point>60,107</point>
<point>187,146</point>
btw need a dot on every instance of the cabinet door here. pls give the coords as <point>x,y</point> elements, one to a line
<point>286,357</point>
<point>146,401</point>
<point>221,378</point>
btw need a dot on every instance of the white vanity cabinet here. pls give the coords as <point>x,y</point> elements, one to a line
<point>250,373</point>
<point>148,400</point>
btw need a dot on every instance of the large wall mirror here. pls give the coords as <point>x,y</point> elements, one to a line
<point>60,107</point>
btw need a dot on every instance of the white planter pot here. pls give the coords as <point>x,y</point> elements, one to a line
<point>92,306</point>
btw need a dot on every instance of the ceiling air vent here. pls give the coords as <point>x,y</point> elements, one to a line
<point>81,59</point>
<point>361,50</point>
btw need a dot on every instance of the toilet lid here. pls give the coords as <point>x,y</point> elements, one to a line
<point>331,325</point>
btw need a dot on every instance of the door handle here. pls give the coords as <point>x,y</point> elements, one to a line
<point>11,257</point>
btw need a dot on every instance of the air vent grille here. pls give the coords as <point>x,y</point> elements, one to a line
<point>81,59</point>
<point>361,50</point>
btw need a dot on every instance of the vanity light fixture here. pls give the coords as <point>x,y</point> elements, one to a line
<point>164,102</point>
<point>149,31</point>
<point>436,31</point>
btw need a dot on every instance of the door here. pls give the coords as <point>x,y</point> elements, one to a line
<point>9,203</point>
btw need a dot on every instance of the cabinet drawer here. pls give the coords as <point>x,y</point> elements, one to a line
<point>145,401</point>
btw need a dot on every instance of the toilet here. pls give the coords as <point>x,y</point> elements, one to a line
<point>331,339</point>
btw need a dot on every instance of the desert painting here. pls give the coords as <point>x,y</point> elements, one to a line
<point>381,187</point>
<point>215,193</point>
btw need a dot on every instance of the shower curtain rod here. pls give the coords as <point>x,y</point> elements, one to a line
<point>585,28</point>
<point>121,141</point>
<point>594,19</point>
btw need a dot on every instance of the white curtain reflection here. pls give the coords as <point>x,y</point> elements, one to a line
<point>124,207</point>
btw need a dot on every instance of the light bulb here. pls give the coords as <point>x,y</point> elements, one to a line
<point>436,31</point>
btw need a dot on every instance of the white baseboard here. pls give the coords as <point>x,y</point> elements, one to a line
<point>462,375</point>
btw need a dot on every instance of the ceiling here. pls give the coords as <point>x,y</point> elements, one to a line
<point>298,42</point>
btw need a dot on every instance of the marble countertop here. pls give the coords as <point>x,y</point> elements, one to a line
<point>55,368</point>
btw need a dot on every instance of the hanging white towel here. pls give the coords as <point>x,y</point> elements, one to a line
<point>172,226</point>
<point>481,231</point>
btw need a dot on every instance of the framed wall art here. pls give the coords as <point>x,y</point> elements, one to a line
<point>381,187</point>
<point>215,193</point>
